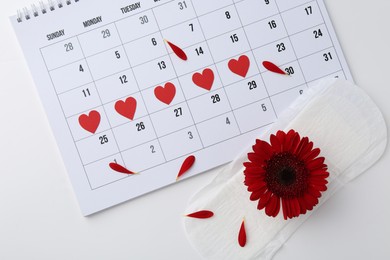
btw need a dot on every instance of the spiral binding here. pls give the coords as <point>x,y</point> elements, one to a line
<point>42,8</point>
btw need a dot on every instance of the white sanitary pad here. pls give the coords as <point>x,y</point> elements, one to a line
<point>341,120</point>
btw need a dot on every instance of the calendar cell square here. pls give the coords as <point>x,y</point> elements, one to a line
<point>229,77</point>
<point>108,63</point>
<point>154,104</point>
<point>218,129</point>
<point>283,100</point>
<point>144,156</point>
<point>135,27</point>
<point>99,173</point>
<point>279,52</point>
<point>261,113</point>
<point>285,5</point>
<point>192,90</point>
<point>79,99</point>
<point>97,147</point>
<point>206,6</point>
<point>246,92</point>
<point>198,56</point>
<point>118,111</point>
<point>134,133</point>
<point>187,138</point>
<point>79,132</point>
<point>172,119</point>
<point>220,21</point>
<point>311,41</point>
<point>277,83</point>
<point>62,53</point>
<point>254,10</point>
<point>173,13</point>
<point>117,86</point>
<point>338,74</point>
<point>234,43</point>
<point>102,39</point>
<point>71,76</point>
<point>154,72</point>
<point>265,31</point>
<point>302,17</point>
<point>209,105</point>
<point>185,34</point>
<point>320,64</point>
<point>145,49</point>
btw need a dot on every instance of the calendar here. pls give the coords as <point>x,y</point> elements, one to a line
<point>118,95</point>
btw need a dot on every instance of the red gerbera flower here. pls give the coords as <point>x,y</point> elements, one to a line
<point>288,171</point>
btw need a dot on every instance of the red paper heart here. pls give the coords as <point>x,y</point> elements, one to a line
<point>165,94</point>
<point>90,122</point>
<point>205,79</point>
<point>126,108</point>
<point>240,66</point>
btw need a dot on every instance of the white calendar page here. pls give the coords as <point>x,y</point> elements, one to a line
<point>114,91</point>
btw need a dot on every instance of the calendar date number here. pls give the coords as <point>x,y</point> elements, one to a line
<point>103,139</point>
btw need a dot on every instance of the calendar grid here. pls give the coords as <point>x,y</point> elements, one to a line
<point>67,123</point>
<point>218,72</point>
<point>258,101</point>
<point>177,76</point>
<point>331,39</point>
<point>198,150</point>
<point>270,96</point>
<point>143,99</point>
<point>197,43</point>
<point>289,38</point>
<point>105,112</point>
<point>191,72</point>
<point>247,39</point>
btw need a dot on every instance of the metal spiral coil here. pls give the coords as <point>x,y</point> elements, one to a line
<point>42,8</point>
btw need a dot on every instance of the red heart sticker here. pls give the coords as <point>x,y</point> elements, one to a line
<point>165,94</point>
<point>240,66</point>
<point>90,122</point>
<point>126,108</point>
<point>205,79</point>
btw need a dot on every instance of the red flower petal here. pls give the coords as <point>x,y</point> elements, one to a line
<point>315,164</point>
<point>178,51</point>
<point>311,155</point>
<point>273,68</point>
<point>305,150</point>
<point>284,208</point>
<point>202,214</point>
<point>255,195</point>
<point>261,185</point>
<point>282,138</point>
<point>264,199</point>
<point>295,206</point>
<point>187,164</point>
<point>254,171</point>
<point>303,205</point>
<point>304,141</point>
<point>276,144</point>
<point>242,235</point>
<point>119,168</point>
<point>314,192</point>
<point>263,148</point>
<point>272,205</point>
<point>295,142</point>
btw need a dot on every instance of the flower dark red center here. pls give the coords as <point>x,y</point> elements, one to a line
<point>286,175</point>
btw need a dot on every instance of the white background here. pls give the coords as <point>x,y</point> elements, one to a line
<point>40,218</point>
